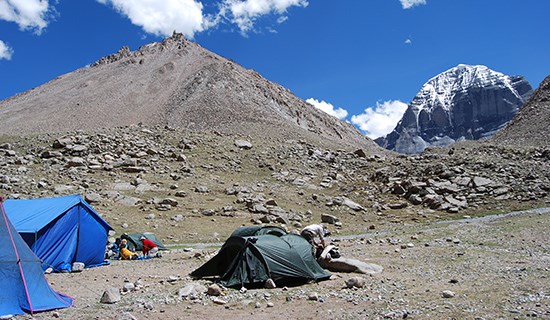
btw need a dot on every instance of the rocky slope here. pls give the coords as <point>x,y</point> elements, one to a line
<point>465,102</point>
<point>530,127</point>
<point>188,186</point>
<point>176,83</point>
<point>191,188</point>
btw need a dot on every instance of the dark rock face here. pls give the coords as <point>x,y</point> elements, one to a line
<point>465,102</point>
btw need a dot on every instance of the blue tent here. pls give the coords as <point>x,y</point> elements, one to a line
<point>24,288</point>
<point>60,230</point>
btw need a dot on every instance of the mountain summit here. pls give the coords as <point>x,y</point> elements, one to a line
<point>465,102</point>
<point>173,83</point>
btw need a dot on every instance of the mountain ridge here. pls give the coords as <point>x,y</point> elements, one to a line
<point>463,103</point>
<point>176,83</point>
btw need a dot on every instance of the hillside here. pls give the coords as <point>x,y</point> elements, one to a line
<point>530,126</point>
<point>175,83</point>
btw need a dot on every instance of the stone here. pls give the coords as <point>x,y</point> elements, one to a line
<point>192,291</point>
<point>126,316</point>
<point>110,296</point>
<point>181,194</point>
<point>169,201</point>
<point>177,218</point>
<point>314,296</point>
<point>397,205</point>
<point>328,218</point>
<point>92,197</point>
<point>214,290</point>
<point>128,286</point>
<point>447,294</point>
<point>343,201</point>
<point>77,267</point>
<point>415,199</point>
<point>270,284</point>
<point>219,301</point>
<point>243,144</point>
<point>202,189</point>
<point>208,212</point>
<point>357,282</point>
<point>360,153</point>
<point>76,162</point>
<point>481,182</point>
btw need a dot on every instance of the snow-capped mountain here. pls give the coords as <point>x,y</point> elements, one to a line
<point>465,102</point>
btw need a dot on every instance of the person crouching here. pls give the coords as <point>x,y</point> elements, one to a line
<point>150,249</point>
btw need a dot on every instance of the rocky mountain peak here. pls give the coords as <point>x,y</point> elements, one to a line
<point>465,102</point>
<point>176,42</point>
<point>175,83</point>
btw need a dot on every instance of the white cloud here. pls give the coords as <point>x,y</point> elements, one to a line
<point>245,13</point>
<point>328,108</point>
<point>381,120</point>
<point>28,14</point>
<point>408,41</point>
<point>407,4</point>
<point>5,51</point>
<point>163,17</point>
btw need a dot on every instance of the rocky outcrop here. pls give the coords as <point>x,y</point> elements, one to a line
<point>463,103</point>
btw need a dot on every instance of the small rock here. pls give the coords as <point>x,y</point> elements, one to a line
<point>77,267</point>
<point>328,218</point>
<point>127,316</point>
<point>110,296</point>
<point>202,189</point>
<point>214,290</point>
<point>448,294</point>
<point>270,284</point>
<point>128,286</point>
<point>219,301</point>
<point>313,296</point>
<point>357,282</point>
<point>243,144</point>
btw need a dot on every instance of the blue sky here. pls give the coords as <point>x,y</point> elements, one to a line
<point>360,60</point>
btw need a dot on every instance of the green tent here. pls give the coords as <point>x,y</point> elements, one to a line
<point>251,260</point>
<point>135,245</point>
<point>249,231</point>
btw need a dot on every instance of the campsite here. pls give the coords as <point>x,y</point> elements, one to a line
<point>181,150</point>
<point>426,275</point>
<point>435,263</point>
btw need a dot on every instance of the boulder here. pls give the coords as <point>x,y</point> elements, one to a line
<point>346,265</point>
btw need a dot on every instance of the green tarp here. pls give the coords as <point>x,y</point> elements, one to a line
<point>252,260</point>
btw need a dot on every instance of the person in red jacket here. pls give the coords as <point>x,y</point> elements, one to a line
<point>150,249</point>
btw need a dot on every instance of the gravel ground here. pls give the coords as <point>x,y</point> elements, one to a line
<point>480,268</point>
